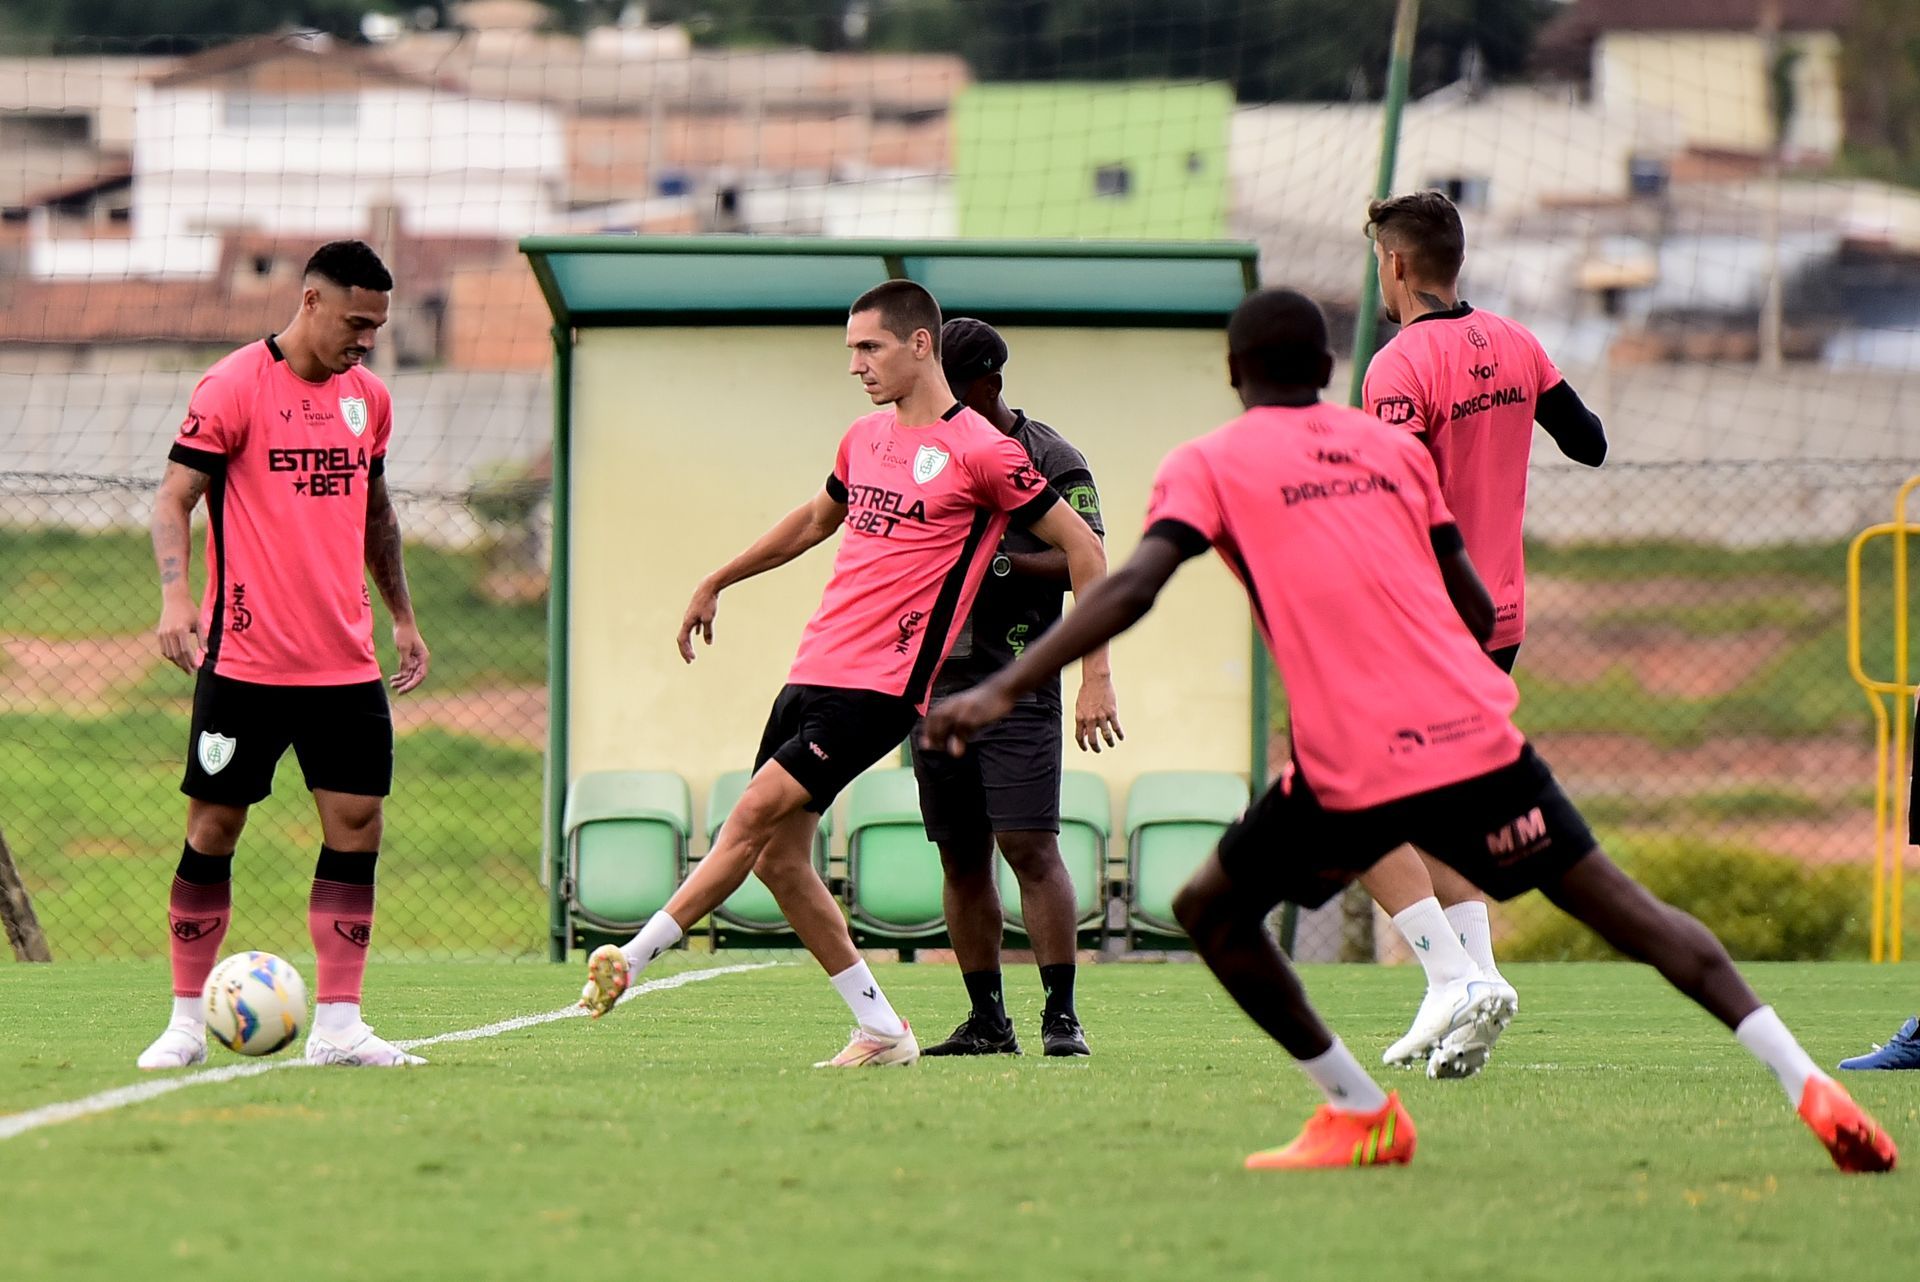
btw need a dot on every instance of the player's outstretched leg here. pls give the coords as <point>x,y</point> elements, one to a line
<point>1625,914</point>
<point>1359,1125</point>
<point>340,920</point>
<point>1901,1051</point>
<point>769,832</point>
<point>198,909</point>
<point>1466,1005</point>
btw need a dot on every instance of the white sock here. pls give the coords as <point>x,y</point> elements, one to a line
<point>1768,1040</point>
<point>861,992</point>
<point>1469,922</point>
<point>187,1010</point>
<point>1341,1079</point>
<point>335,1017</point>
<point>1434,942</point>
<point>659,934</point>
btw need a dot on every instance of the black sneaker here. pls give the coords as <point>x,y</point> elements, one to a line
<point>1061,1034</point>
<point>977,1037</point>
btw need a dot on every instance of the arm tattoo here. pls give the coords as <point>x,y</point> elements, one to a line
<point>383,550</point>
<point>172,523</point>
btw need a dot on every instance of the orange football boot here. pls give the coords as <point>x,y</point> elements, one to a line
<point>1330,1138</point>
<point>1855,1139</point>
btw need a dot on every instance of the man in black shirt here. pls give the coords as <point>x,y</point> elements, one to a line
<point>1006,789</point>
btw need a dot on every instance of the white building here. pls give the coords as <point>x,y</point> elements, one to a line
<point>298,137</point>
<point>1302,173</point>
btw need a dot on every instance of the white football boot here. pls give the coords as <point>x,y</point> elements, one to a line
<point>183,1045</point>
<point>609,975</point>
<point>868,1049</point>
<point>1465,1051</point>
<point>1444,1009</point>
<point>357,1047</point>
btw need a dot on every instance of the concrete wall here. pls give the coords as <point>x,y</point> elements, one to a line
<point>686,449</point>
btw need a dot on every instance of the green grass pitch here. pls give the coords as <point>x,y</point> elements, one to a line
<point>1618,1134</point>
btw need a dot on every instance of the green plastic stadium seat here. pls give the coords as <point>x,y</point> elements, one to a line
<point>1174,820</point>
<point>894,880</point>
<point>627,836</point>
<point>1086,824</point>
<point>751,908</point>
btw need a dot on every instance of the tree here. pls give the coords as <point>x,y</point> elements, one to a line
<point>1880,78</point>
<point>164,25</point>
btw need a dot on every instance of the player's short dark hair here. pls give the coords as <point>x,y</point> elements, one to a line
<point>904,307</point>
<point>351,264</point>
<point>1280,337</point>
<point>1424,227</point>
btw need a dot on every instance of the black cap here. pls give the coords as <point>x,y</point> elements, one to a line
<point>970,349</point>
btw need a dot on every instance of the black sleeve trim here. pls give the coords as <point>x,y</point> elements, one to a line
<point>1446,539</point>
<point>1188,541</point>
<point>1573,427</point>
<point>1068,477</point>
<point>199,460</point>
<point>1036,507</point>
<point>836,489</point>
<point>377,468</point>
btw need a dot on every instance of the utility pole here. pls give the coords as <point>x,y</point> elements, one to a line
<point>1773,306</point>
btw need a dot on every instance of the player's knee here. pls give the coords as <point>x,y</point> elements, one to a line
<point>1199,910</point>
<point>215,830</point>
<point>1031,855</point>
<point>356,827</point>
<point>779,866</point>
<point>965,859</point>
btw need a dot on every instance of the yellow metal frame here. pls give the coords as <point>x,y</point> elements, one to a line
<point>1889,728</point>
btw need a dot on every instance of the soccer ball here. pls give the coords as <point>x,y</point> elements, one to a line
<point>255,1003</point>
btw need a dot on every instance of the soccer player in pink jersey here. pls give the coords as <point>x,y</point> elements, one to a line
<point>1335,525</point>
<point>286,439</point>
<point>924,488</point>
<point>1470,385</point>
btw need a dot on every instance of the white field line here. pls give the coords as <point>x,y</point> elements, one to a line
<point>16,1124</point>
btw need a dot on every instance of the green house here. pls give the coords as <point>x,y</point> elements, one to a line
<point>1093,160</point>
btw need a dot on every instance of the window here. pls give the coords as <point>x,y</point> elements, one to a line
<point>44,129</point>
<point>284,113</point>
<point>1113,180</point>
<point>1466,192</point>
<point>1647,176</point>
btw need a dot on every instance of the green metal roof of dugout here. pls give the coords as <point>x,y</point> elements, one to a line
<point>623,280</point>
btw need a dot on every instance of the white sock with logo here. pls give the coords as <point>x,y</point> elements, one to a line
<point>1340,1078</point>
<point>1469,921</point>
<point>1768,1040</point>
<point>1432,938</point>
<point>861,992</point>
<point>659,934</point>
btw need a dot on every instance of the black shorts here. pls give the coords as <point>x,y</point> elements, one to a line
<point>343,736</point>
<point>825,736</point>
<point>1507,832</point>
<point>1504,657</point>
<point>1008,781</point>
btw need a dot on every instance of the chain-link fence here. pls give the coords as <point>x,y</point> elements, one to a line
<point>93,734</point>
<point>1678,215</point>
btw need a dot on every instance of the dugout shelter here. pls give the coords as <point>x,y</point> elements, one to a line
<point>700,392</point>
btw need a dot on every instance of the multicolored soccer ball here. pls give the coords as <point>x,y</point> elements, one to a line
<point>255,1003</point>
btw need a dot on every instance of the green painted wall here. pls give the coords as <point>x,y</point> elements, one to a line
<point>1026,159</point>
